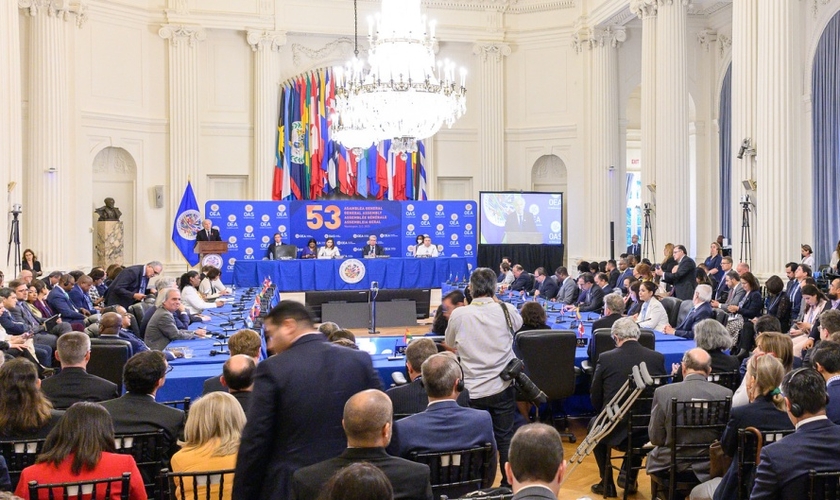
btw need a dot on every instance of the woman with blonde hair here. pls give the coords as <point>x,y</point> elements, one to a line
<point>211,441</point>
<point>780,346</point>
<point>642,272</point>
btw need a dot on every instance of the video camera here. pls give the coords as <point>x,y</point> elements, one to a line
<point>515,370</point>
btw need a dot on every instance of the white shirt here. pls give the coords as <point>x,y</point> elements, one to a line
<point>211,289</point>
<point>653,316</point>
<point>809,260</point>
<point>192,301</point>
<point>328,253</point>
<point>426,251</point>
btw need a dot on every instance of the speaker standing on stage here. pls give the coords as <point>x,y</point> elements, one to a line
<point>209,233</point>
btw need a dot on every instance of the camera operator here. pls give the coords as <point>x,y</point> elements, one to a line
<point>481,335</point>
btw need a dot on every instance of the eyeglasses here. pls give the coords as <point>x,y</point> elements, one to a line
<point>169,368</point>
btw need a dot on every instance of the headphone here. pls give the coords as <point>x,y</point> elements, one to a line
<point>796,410</point>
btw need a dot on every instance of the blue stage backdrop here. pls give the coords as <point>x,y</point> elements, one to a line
<point>249,226</point>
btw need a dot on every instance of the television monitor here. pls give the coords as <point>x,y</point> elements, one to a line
<point>520,217</point>
<point>285,252</point>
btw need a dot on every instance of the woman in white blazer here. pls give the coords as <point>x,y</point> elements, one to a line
<point>189,294</point>
<point>652,314</point>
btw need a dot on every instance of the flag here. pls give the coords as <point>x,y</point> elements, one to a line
<point>580,322</point>
<point>187,223</point>
<point>421,171</point>
<point>362,172</point>
<point>286,192</point>
<point>280,154</point>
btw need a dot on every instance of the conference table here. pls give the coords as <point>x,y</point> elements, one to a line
<point>298,275</point>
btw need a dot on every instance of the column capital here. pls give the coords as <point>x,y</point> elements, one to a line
<point>644,8</point>
<point>63,9</point>
<point>259,39</point>
<point>491,50</point>
<point>177,33</point>
<point>591,38</point>
<point>706,37</point>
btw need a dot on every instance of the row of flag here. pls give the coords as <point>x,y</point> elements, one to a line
<point>310,165</point>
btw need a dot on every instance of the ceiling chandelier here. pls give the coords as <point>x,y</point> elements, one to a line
<point>403,95</point>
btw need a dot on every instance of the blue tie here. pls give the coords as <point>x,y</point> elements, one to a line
<point>144,283</point>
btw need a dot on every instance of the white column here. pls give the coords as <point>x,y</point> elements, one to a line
<point>672,163</point>
<point>47,179</point>
<point>491,109</point>
<point>266,45</point>
<point>184,126</point>
<point>744,82</point>
<point>11,134</point>
<point>646,10</point>
<point>777,232</point>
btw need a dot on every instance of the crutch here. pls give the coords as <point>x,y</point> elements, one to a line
<point>611,415</point>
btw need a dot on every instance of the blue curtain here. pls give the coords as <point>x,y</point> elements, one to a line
<point>825,90</point>
<point>725,122</point>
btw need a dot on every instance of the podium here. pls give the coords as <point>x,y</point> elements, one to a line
<point>210,252</point>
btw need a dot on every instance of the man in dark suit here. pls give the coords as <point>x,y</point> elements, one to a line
<point>696,366</point>
<point>613,273</point>
<point>634,248</point>
<point>826,359</point>
<point>783,471</point>
<point>544,286</point>
<point>594,300</point>
<point>568,289</point>
<point>59,300</point>
<point>603,281</point>
<point>444,425</point>
<point>238,378</point>
<point>520,220</point>
<point>208,233</point>
<point>132,284</point>
<point>297,403</point>
<point>613,307</point>
<point>372,249</point>
<point>721,285</point>
<point>245,342</point>
<point>681,276</point>
<point>521,280</point>
<point>21,313</point>
<point>79,295</point>
<point>136,410</point>
<point>411,398</point>
<point>611,373</point>
<point>73,383</point>
<point>701,310</point>
<point>367,423</point>
<point>626,271</point>
<point>536,465</point>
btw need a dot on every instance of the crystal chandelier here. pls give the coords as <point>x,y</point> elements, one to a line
<point>403,95</point>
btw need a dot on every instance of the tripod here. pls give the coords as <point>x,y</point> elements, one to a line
<point>647,238</point>
<point>14,238</point>
<point>746,237</point>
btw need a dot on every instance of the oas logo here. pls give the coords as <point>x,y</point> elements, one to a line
<point>555,201</point>
<point>468,251</point>
<point>249,232</point>
<point>249,212</point>
<point>232,243</point>
<point>351,271</point>
<point>265,221</point>
<point>439,230</point>
<point>409,230</point>
<point>453,241</point>
<point>232,221</point>
<point>231,261</point>
<point>454,237</point>
<point>188,223</point>
<point>439,208</point>
<point>556,227</point>
<point>425,220</point>
<point>281,229</point>
<point>440,248</point>
<point>264,244</point>
<point>409,210</point>
<point>453,220</point>
<point>468,209</point>
<point>439,211</point>
<point>249,208</point>
<point>281,211</point>
<point>214,210</point>
<point>232,240</point>
<point>249,254</point>
<point>468,247</point>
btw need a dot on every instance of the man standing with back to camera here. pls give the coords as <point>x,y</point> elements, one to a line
<point>481,335</point>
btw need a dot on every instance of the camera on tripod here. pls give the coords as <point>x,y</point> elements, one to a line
<point>745,201</point>
<point>515,371</point>
<point>17,209</point>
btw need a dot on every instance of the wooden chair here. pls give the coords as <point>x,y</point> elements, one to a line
<point>458,472</point>
<point>747,456</point>
<point>20,454</point>
<point>171,485</point>
<point>824,485</point>
<point>94,489</point>
<point>730,380</point>
<point>149,453</point>
<point>688,419</point>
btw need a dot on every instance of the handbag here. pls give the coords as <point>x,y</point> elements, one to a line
<point>719,461</point>
<point>734,324</point>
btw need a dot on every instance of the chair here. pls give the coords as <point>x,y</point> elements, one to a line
<point>90,490</point>
<point>458,472</point>
<point>694,425</point>
<point>748,444</point>
<point>138,310</point>
<point>170,485</point>
<point>20,454</point>
<point>148,451</point>
<point>603,342</point>
<point>672,308</point>
<point>549,357</point>
<point>180,404</point>
<point>685,309</point>
<point>720,316</point>
<point>824,485</point>
<point>730,380</point>
<point>107,359</point>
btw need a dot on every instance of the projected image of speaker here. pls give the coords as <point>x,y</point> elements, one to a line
<point>521,217</point>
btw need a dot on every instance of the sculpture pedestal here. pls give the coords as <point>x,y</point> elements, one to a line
<point>109,243</point>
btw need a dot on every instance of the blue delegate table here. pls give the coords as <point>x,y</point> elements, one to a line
<point>323,274</point>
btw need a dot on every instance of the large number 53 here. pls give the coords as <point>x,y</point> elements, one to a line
<point>315,215</point>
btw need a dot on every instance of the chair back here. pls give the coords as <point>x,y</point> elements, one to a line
<point>730,380</point>
<point>549,357</point>
<point>180,404</point>
<point>20,454</point>
<point>92,489</point>
<point>174,485</point>
<point>721,316</point>
<point>138,310</point>
<point>823,485</point>
<point>748,444</point>
<point>604,342</point>
<point>672,308</point>
<point>107,359</point>
<point>685,309</point>
<point>149,453</point>
<point>458,472</point>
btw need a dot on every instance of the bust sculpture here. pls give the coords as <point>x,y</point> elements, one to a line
<point>109,212</point>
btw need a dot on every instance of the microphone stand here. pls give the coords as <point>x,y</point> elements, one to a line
<point>374,291</point>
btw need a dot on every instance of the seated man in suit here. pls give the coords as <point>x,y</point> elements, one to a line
<point>826,360</point>
<point>245,342</point>
<point>610,374</point>
<point>701,310</point>
<point>59,300</point>
<point>136,410</point>
<point>613,273</point>
<point>162,328</point>
<point>568,289</point>
<point>521,280</point>
<point>721,288</point>
<point>73,383</point>
<point>696,366</point>
<point>594,299</point>
<point>536,465</point>
<point>21,313</point>
<point>736,291</point>
<point>79,295</point>
<point>238,378</point>
<point>613,311</point>
<point>412,398</point>
<point>367,424</point>
<point>372,249</point>
<point>602,280</point>
<point>43,344</point>
<point>544,286</point>
<point>444,425</point>
<point>112,326</point>
<point>783,471</point>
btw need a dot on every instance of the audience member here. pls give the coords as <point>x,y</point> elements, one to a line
<point>443,425</point>
<point>45,342</point>
<point>162,328</point>
<point>112,326</point>
<point>807,256</point>
<point>778,302</point>
<point>613,309</point>
<point>533,317</point>
<point>522,281</point>
<point>696,366</point>
<point>568,292</point>
<point>713,261</point>
<point>613,273</point>
<point>814,304</point>
<point>722,289</point>
<point>73,383</point>
<point>602,280</point>
<point>367,424</point>
<point>24,410</point>
<point>358,481</point>
<point>633,303</point>
<point>713,338</point>
<point>211,442</point>
<point>52,279</point>
<point>594,300</point>
<point>778,344</point>
<point>211,286</point>
<point>827,362</point>
<point>483,357</point>
<point>412,398</point>
<point>137,410</point>
<point>22,346</point>
<point>681,274</point>
<point>734,295</point>
<point>611,372</point>
<point>132,284</point>
<point>536,466</point>
<point>652,314</point>
<point>238,377</point>
<point>292,424</point>
<point>30,263</point>
<point>189,294</point>
<point>506,275</point>
<point>827,323</point>
<point>544,286</point>
<point>59,301</point>
<point>783,471</point>
<point>245,342</point>
<point>81,447</point>
<point>448,303</point>
<point>79,295</point>
<point>625,272</point>
<point>701,311</point>
<point>22,313</point>
<point>98,287</point>
<point>328,327</point>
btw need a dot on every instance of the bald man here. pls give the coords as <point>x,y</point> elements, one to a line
<point>367,424</point>
<point>238,377</point>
